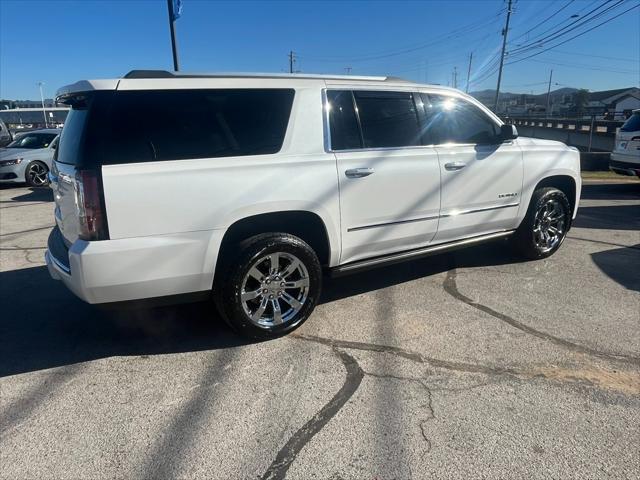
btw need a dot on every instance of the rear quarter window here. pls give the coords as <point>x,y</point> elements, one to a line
<point>188,124</point>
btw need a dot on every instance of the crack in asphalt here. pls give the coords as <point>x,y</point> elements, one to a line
<point>419,381</point>
<point>451,287</point>
<point>26,231</point>
<point>17,249</point>
<point>22,205</point>
<point>408,354</point>
<point>592,376</point>
<point>632,247</point>
<point>289,452</point>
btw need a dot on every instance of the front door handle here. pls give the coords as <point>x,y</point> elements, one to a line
<point>358,172</point>
<point>453,166</point>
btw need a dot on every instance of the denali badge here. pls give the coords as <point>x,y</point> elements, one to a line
<point>503,195</point>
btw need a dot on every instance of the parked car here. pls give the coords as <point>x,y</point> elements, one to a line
<point>625,158</point>
<point>5,134</point>
<point>29,157</point>
<point>252,185</point>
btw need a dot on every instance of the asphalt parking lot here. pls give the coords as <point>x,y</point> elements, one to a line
<point>467,365</point>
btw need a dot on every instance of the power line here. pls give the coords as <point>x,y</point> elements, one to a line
<point>545,20</point>
<point>585,66</point>
<point>472,27</point>
<point>630,60</point>
<point>575,36</point>
<point>559,33</point>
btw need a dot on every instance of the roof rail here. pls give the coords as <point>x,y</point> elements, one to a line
<point>150,74</point>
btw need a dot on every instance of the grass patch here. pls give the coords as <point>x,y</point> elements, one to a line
<point>606,176</point>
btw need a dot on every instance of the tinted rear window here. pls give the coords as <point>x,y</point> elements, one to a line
<point>69,144</point>
<point>632,124</point>
<point>182,124</point>
<point>345,133</point>
<point>388,119</point>
<point>143,126</point>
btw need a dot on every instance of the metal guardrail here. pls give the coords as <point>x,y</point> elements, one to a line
<point>587,126</point>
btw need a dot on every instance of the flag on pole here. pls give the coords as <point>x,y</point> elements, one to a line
<point>177,9</point>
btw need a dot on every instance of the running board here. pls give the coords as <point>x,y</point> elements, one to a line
<point>418,253</point>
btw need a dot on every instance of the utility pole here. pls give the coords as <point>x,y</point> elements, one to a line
<point>44,113</point>
<point>455,77</point>
<point>549,93</point>
<point>504,46</point>
<point>469,72</point>
<point>172,28</point>
<point>292,58</point>
<point>347,70</point>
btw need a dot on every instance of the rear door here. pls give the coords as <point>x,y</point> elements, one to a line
<point>389,183</point>
<point>481,175</point>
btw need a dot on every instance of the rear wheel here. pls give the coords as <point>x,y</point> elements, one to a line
<point>272,287</point>
<point>545,225</point>
<point>36,174</point>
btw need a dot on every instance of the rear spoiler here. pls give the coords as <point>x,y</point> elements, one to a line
<point>84,86</point>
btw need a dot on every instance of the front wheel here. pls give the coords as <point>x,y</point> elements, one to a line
<point>271,287</point>
<point>36,174</point>
<point>545,225</point>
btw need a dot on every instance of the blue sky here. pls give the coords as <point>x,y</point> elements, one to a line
<point>61,41</point>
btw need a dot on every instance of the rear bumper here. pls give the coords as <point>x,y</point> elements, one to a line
<point>138,268</point>
<point>625,164</point>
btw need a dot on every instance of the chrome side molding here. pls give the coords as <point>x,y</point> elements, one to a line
<point>417,253</point>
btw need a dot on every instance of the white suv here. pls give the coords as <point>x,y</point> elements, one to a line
<point>245,187</point>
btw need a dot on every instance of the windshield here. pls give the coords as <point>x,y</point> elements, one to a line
<point>33,140</point>
<point>632,124</point>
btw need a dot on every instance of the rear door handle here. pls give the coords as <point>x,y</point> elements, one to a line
<point>358,172</point>
<point>453,166</point>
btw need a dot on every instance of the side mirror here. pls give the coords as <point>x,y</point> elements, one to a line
<point>508,132</point>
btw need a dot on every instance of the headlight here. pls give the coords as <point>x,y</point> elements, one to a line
<point>13,161</point>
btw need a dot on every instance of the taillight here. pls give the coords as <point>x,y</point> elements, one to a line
<point>91,214</point>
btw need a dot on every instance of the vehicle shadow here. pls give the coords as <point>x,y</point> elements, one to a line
<point>611,191</point>
<point>615,264</point>
<point>43,194</point>
<point>43,325</point>
<point>609,217</point>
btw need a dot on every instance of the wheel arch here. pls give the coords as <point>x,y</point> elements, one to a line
<point>307,225</point>
<point>565,183</point>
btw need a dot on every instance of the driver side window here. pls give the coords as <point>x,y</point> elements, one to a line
<point>454,120</point>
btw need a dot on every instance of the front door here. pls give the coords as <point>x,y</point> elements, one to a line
<point>481,176</point>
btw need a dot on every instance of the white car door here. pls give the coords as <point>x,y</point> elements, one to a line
<point>389,183</point>
<point>481,174</point>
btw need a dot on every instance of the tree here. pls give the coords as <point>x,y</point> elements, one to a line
<point>580,100</point>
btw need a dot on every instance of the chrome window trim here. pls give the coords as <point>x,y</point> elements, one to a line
<point>327,125</point>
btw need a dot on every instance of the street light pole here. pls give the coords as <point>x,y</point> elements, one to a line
<point>44,113</point>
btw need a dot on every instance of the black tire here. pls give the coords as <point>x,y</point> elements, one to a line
<point>528,241</point>
<point>229,286</point>
<point>36,174</point>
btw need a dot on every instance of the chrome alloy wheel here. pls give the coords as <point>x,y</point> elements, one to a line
<point>549,226</point>
<point>37,174</point>
<point>275,289</point>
